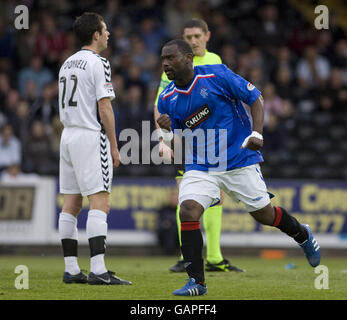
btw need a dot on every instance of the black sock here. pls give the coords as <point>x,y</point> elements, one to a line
<point>97,245</point>
<point>192,244</point>
<point>69,247</point>
<point>289,225</point>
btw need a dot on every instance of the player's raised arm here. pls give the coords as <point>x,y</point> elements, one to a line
<point>108,121</point>
<point>255,140</point>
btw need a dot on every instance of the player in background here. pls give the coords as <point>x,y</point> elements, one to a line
<point>218,108</point>
<point>196,33</point>
<point>88,149</point>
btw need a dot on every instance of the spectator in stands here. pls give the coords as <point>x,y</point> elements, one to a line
<point>135,76</point>
<point>20,120</point>
<point>340,58</point>
<point>119,83</point>
<point>113,14</point>
<point>275,134</point>
<point>243,65</point>
<point>41,49</point>
<point>4,89</point>
<point>228,55</point>
<point>283,59</point>
<point>257,60</point>
<point>287,110</point>
<point>334,26</point>
<point>324,44</point>
<point>10,147</point>
<point>6,40</point>
<point>302,35</point>
<point>334,97</point>
<point>152,34</point>
<point>284,83</point>
<point>256,77</point>
<point>50,41</point>
<point>269,34</point>
<point>312,70</point>
<point>177,12</point>
<point>13,174</point>
<point>31,94</point>
<point>134,111</point>
<point>224,32</point>
<point>46,106</point>
<point>37,73</point>
<point>140,56</point>
<point>120,40</point>
<point>26,44</point>
<point>38,155</point>
<point>272,102</point>
<point>11,103</point>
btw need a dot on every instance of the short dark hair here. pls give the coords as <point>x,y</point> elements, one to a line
<point>86,25</point>
<point>196,23</point>
<point>182,46</point>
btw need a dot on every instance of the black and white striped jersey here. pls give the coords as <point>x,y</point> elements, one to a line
<point>84,79</point>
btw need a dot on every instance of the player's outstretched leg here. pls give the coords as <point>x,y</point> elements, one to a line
<point>288,224</point>
<point>311,248</point>
<point>300,233</point>
<point>96,233</point>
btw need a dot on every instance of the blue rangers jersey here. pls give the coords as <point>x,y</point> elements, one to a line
<point>211,117</point>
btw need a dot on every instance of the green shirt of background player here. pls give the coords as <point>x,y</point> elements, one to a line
<point>196,33</point>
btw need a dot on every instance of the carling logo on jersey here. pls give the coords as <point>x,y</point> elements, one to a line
<point>198,117</point>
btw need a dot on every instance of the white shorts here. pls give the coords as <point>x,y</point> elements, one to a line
<point>85,162</point>
<point>244,184</point>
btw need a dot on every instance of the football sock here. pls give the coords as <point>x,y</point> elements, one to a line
<point>96,233</point>
<point>212,219</point>
<point>178,220</point>
<point>192,244</point>
<point>289,225</point>
<point>67,226</point>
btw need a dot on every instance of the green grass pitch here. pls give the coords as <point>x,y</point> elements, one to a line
<point>263,279</point>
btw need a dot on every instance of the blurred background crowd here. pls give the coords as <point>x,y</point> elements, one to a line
<point>301,71</point>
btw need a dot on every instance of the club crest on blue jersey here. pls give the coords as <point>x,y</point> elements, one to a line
<point>204,92</point>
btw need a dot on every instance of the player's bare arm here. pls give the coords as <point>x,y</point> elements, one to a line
<point>164,123</point>
<point>164,150</point>
<point>156,116</point>
<point>255,141</point>
<point>107,119</point>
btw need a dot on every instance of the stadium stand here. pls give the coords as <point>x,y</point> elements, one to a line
<point>271,43</point>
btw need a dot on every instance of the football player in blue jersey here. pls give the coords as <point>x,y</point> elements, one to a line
<point>204,105</point>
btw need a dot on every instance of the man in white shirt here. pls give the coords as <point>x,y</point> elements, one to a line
<point>10,147</point>
<point>88,150</point>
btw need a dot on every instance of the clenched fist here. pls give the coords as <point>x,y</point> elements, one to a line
<point>164,122</point>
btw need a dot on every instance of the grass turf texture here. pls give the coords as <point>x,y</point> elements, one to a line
<point>263,279</point>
